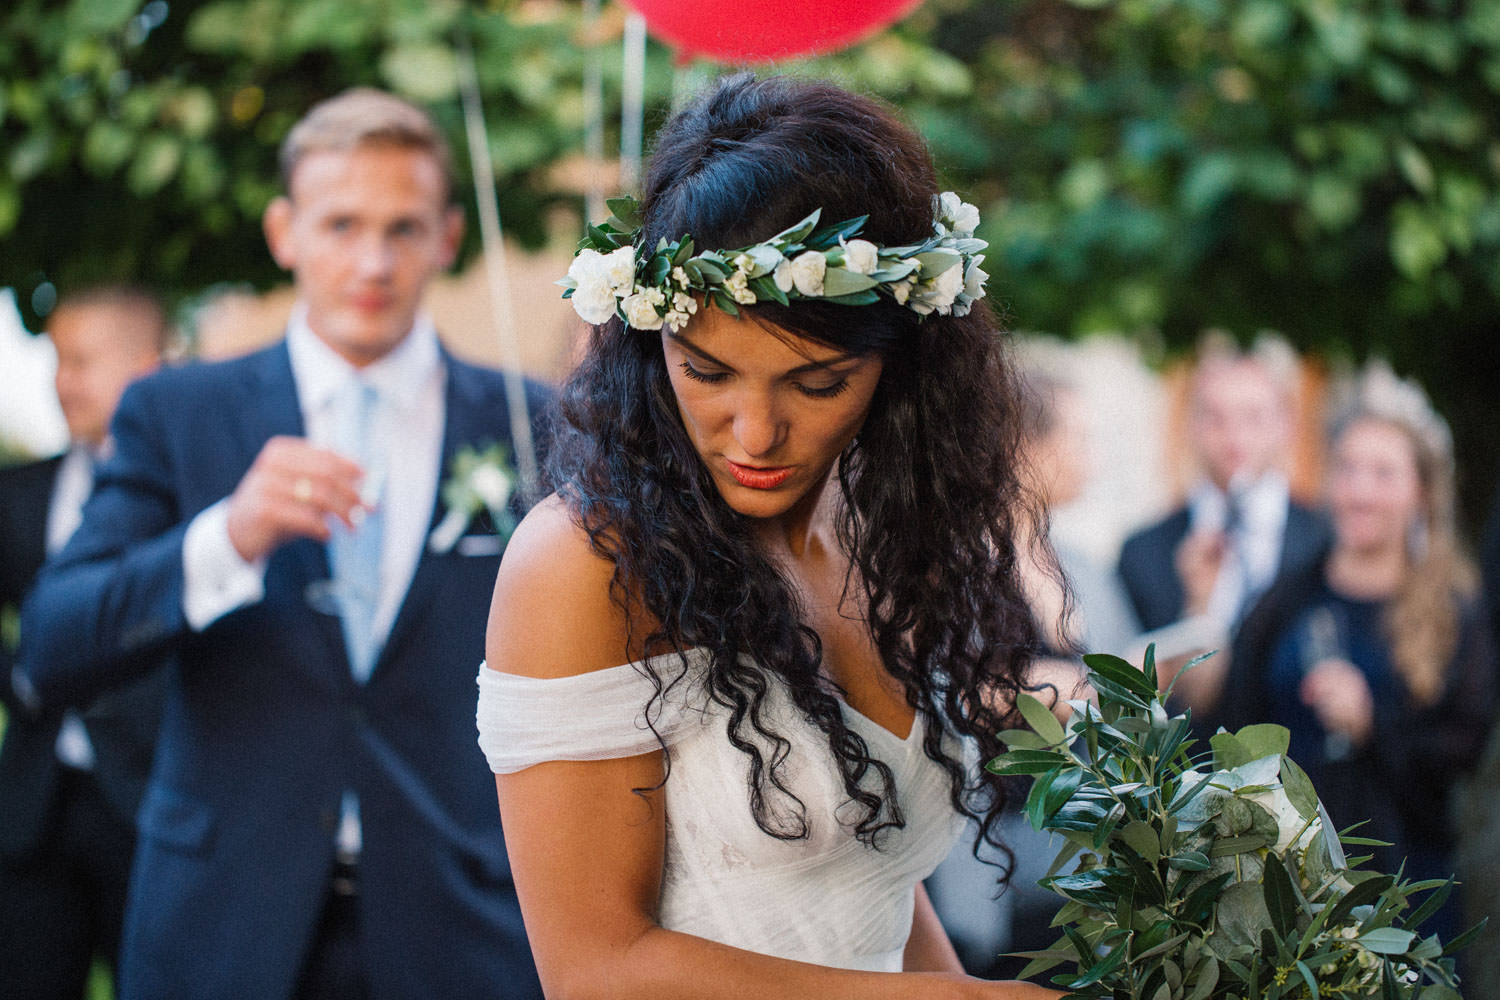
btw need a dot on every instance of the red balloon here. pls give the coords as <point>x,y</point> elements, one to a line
<point>766,30</point>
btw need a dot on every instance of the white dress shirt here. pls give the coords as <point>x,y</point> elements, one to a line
<point>411,381</point>
<point>1254,551</point>
<point>70,491</point>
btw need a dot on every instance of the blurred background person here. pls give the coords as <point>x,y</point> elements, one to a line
<point>1208,560</point>
<point>1377,657</point>
<point>70,781</point>
<point>1079,607</point>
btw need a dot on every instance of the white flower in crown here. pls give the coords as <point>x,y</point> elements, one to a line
<point>861,256</point>
<point>807,272</point>
<point>599,279</point>
<point>939,292</point>
<point>643,310</point>
<point>957,215</point>
<point>478,481</point>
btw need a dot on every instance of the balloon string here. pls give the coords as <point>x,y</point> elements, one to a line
<point>483,168</point>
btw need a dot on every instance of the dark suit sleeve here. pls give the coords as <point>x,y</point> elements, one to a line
<point>109,607</point>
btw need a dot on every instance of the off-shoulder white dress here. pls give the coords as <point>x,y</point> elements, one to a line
<point>827,899</point>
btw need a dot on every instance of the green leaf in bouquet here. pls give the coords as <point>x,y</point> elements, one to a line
<point>1087,888</point>
<point>1261,739</point>
<point>1387,940</point>
<point>1025,762</point>
<point>1465,938</point>
<point>1427,949</point>
<point>1227,846</point>
<point>1365,892</point>
<point>1204,977</point>
<point>1299,788</point>
<point>1308,978</point>
<point>1122,674</point>
<point>1115,952</point>
<point>1040,718</point>
<point>1282,901</point>
<point>1022,739</point>
<point>1189,861</point>
<point>1143,839</point>
<point>1045,959</point>
<point>1199,905</point>
<point>1435,899</point>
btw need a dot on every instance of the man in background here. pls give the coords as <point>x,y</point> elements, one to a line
<point>1212,557</point>
<point>320,823</point>
<point>70,781</point>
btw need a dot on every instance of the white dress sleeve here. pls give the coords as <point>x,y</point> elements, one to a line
<point>593,716</point>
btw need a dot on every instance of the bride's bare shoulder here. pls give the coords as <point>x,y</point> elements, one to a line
<point>554,611</point>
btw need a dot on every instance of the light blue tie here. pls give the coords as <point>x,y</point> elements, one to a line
<point>355,555</point>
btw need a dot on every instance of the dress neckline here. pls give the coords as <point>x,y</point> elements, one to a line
<point>851,712</point>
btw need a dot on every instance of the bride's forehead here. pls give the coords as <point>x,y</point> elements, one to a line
<point>746,341</point>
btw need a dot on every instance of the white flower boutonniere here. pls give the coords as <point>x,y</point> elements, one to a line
<point>478,481</point>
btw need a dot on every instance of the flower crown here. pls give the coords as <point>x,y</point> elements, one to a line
<point>610,276</point>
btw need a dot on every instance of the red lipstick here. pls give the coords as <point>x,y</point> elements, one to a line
<point>758,479</point>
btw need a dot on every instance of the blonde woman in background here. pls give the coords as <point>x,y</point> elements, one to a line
<point>1377,659</point>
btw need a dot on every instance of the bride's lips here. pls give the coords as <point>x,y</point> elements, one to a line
<point>757,478</point>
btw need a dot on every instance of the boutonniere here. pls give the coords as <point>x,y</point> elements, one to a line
<point>478,481</point>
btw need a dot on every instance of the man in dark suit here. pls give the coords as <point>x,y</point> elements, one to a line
<point>1212,557</point>
<point>319,822</point>
<point>70,781</point>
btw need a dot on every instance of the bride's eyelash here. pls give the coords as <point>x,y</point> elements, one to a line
<point>697,376</point>
<point>818,392</point>
<point>826,391</point>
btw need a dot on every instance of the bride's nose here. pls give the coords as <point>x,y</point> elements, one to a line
<point>758,426</point>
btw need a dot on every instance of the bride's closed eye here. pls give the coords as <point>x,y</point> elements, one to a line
<point>699,376</point>
<point>824,391</point>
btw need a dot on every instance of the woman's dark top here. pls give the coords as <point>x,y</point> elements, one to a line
<point>1401,780</point>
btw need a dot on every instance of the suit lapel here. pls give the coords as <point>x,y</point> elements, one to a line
<point>469,416</point>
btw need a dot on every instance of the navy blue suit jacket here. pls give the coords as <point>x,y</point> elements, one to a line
<point>1148,561</point>
<point>121,725</point>
<point>264,726</point>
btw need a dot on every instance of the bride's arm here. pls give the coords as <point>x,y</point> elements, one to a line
<point>929,948</point>
<point>586,848</point>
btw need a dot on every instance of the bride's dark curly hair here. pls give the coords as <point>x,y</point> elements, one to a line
<point>931,499</point>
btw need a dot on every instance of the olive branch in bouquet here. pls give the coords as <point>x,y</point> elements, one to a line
<point>1220,881</point>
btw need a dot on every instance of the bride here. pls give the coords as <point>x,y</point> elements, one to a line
<point>733,660</point>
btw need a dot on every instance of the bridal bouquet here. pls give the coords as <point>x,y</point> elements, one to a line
<point>1193,883</point>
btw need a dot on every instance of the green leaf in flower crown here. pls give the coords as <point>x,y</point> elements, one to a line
<point>684,252</point>
<point>766,290</point>
<point>625,213</point>
<point>839,281</point>
<point>798,232</point>
<point>830,235</point>
<point>868,297</point>
<point>724,301</point>
<point>1040,718</point>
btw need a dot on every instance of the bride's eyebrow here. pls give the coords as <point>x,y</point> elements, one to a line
<point>821,364</point>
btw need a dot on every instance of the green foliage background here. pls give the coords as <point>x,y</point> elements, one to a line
<point>1326,168</point>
